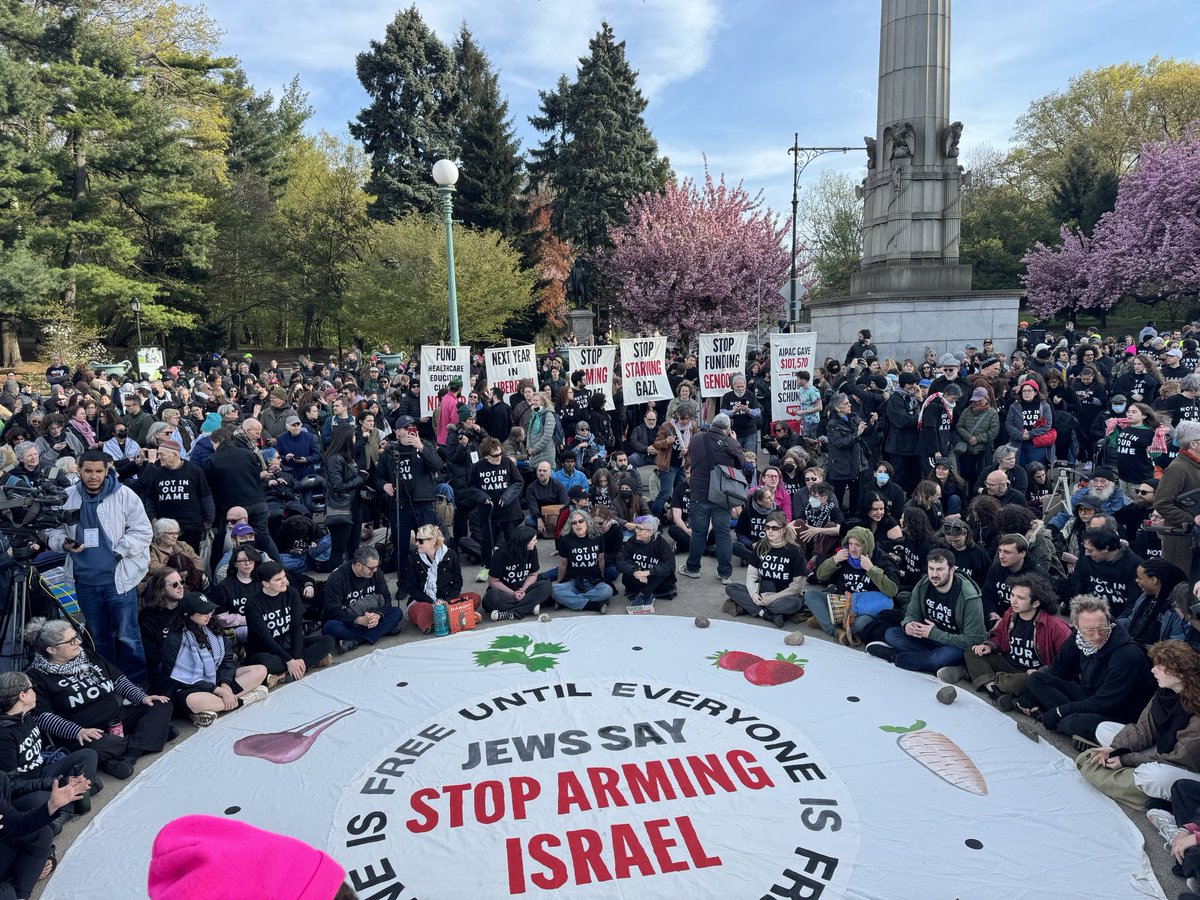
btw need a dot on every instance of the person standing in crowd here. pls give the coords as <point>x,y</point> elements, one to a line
<point>900,445</point>
<point>744,412</point>
<point>406,477</point>
<point>935,426</point>
<point>235,475</point>
<point>177,489</point>
<point>539,429</point>
<point>1028,423</point>
<point>707,450</point>
<point>847,463</point>
<point>108,553</point>
<point>1180,477</point>
<point>342,482</point>
<point>978,427</point>
<point>670,448</point>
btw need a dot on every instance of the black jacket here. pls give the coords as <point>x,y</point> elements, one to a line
<point>1116,679</point>
<point>342,481</point>
<point>707,450</point>
<point>343,586</point>
<point>418,472</point>
<point>901,415</point>
<point>449,577</point>
<point>233,474</point>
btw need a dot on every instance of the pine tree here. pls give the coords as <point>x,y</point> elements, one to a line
<point>598,153</point>
<point>1077,182</point>
<point>413,117</point>
<point>490,164</point>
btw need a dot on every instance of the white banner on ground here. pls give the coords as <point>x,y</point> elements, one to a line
<point>581,758</point>
<point>790,353</point>
<point>720,357</point>
<point>438,365</point>
<point>644,370</point>
<point>507,367</point>
<point>597,364</point>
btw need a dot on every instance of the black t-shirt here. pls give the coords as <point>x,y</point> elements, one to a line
<point>1133,463</point>
<point>493,479</point>
<point>1021,649</point>
<point>939,607</point>
<point>972,562</point>
<point>779,566</point>
<point>1181,408</point>
<point>582,556</point>
<point>681,498</point>
<point>231,595</point>
<point>513,572</point>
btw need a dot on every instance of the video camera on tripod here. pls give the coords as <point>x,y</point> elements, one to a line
<point>27,509</point>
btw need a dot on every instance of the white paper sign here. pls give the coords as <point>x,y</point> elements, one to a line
<point>597,364</point>
<point>150,362</point>
<point>507,367</point>
<point>790,353</point>
<point>438,365</point>
<point>720,357</point>
<point>644,370</point>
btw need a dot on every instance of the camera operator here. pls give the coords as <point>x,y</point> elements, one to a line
<point>108,552</point>
<point>406,474</point>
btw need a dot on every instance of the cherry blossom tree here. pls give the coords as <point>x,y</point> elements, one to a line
<point>696,259</point>
<point>1147,249</point>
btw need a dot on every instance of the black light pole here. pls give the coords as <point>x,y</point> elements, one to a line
<point>798,167</point>
<point>136,305</point>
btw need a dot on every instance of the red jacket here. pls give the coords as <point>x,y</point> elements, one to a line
<point>1049,634</point>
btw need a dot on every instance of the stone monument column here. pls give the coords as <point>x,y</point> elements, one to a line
<point>912,191</point>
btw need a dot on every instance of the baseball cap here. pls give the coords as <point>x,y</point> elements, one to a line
<point>195,603</point>
<point>292,420</point>
<point>978,394</point>
<point>241,530</point>
<point>405,422</point>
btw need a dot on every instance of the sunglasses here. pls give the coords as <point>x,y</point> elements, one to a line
<point>419,541</point>
<point>773,528</point>
<point>172,583</point>
<point>1144,493</point>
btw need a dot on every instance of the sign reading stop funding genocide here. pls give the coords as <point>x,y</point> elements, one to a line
<point>597,364</point>
<point>507,367</point>
<point>720,357</point>
<point>644,370</point>
<point>438,365</point>
<point>790,353</point>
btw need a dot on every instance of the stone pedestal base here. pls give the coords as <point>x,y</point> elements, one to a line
<point>583,323</point>
<point>904,326</point>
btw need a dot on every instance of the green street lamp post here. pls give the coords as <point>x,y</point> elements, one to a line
<point>445,173</point>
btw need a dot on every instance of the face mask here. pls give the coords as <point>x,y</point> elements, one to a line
<point>814,502</point>
<point>789,469</point>
<point>1117,408</point>
<point>882,478</point>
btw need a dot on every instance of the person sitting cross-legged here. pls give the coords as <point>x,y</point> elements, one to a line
<point>358,604</point>
<point>579,582</point>
<point>775,582</point>
<point>944,618</point>
<point>1027,637</point>
<point>647,566</point>
<point>275,622</point>
<point>1100,675</point>
<point>514,588</point>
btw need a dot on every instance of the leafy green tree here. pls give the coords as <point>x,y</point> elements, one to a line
<point>489,185</point>
<point>1083,194</point>
<point>830,228</point>
<point>397,287</point>
<point>598,153</point>
<point>413,117</point>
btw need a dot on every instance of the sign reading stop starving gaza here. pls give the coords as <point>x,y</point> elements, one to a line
<point>644,370</point>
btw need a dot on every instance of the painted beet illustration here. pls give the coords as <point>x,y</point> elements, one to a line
<point>939,755</point>
<point>282,747</point>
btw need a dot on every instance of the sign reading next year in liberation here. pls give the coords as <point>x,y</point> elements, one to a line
<point>438,365</point>
<point>790,353</point>
<point>507,367</point>
<point>719,358</point>
<point>644,370</point>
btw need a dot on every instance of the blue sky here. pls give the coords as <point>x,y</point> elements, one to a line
<point>733,81</point>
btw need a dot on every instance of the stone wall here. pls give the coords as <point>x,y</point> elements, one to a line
<point>904,326</point>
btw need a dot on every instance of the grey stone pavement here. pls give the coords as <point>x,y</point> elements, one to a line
<point>702,596</point>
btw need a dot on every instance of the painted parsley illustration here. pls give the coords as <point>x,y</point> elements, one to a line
<point>521,650</point>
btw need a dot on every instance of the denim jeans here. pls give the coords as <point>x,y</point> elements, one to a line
<point>921,654</point>
<point>564,594</point>
<point>389,620</point>
<point>701,515</point>
<point>666,487</point>
<point>108,611</point>
<point>749,442</point>
<point>818,607</point>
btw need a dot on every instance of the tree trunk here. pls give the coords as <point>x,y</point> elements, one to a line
<point>10,349</point>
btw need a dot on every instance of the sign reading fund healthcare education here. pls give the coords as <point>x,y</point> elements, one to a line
<point>597,364</point>
<point>438,365</point>
<point>598,788</point>
<point>644,370</point>
<point>720,357</point>
<point>507,367</point>
<point>790,353</point>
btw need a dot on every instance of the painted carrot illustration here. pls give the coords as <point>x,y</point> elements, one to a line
<point>939,755</point>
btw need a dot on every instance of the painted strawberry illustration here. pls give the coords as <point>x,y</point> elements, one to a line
<point>780,670</point>
<point>939,755</point>
<point>734,660</point>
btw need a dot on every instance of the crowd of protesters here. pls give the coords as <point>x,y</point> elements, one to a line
<point>1022,518</point>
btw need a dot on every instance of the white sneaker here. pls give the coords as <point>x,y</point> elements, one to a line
<point>684,570</point>
<point>1164,824</point>
<point>951,674</point>
<point>254,695</point>
<point>537,608</point>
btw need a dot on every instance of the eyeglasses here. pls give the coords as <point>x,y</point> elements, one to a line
<point>1144,493</point>
<point>71,640</point>
<point>579,522</point>
<point>245,562</point>
<point>1102,630</point>
<point>420,540</point>
<point>773,528</point>
<point>375,567</point>
<point>234,521</point>
<point>171,533</point>
<point>642,528</point>
<point>172,583</point>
